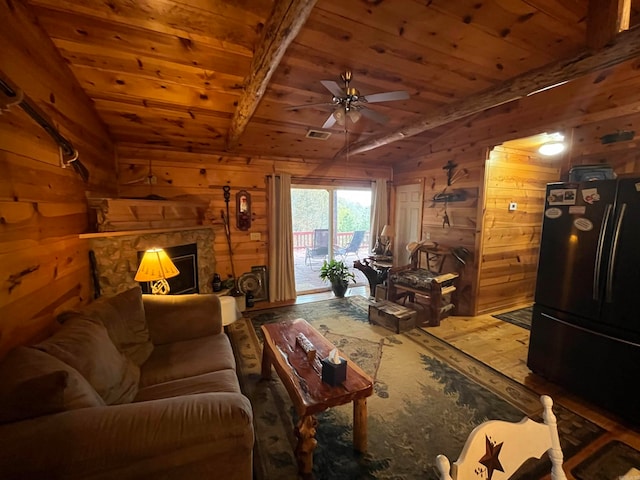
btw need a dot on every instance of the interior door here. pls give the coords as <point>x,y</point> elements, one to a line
<point>408,220</point>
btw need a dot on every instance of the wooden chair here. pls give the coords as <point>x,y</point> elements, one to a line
<point>496,449</point>
<point>423,282</point>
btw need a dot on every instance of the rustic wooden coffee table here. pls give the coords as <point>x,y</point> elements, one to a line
<point>309,394</point>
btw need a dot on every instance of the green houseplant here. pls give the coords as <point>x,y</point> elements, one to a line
<point>337,273</point>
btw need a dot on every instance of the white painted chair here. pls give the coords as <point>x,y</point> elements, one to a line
<point>496,449</point>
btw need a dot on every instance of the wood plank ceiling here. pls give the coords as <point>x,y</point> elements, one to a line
<point>170,73</point>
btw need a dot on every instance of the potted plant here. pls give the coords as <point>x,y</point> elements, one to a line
<point>338,274</point>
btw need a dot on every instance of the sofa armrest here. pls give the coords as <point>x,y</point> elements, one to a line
<point>173,318</point>
<point>128,441</point>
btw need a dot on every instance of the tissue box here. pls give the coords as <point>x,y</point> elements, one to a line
<point>334,373</point>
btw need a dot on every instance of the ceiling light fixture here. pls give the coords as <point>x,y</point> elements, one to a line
<point>354,115</point>
<point>551,148</point>
<point>554,146</point>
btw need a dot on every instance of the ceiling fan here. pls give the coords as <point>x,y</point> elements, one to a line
<point>347,102</point>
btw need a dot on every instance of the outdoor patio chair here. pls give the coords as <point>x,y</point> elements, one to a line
<point>496,449</point>
<point>320,248</point>
<point>353,247</point>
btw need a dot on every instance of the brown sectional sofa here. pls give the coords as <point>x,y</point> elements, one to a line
<point>131,386</point>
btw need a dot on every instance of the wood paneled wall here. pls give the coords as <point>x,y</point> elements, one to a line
<point>510,240</point>
<point>585,109</point>
<point>197,176</point>
<point>44,265</point>
<point>623,156</point>
<point>462,214</point>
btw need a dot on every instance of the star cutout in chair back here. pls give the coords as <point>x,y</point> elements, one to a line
<point>490,458</point>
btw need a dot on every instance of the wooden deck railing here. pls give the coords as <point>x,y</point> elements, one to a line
<point>305,239</point>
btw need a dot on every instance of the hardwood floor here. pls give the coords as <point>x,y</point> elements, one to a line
<point>504,347</point>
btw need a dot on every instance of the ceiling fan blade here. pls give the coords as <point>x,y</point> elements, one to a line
<point>375,116</point>
<point>386,96</point>
<point>330,122</point>
<point>333,87</point>
<point>309,105</point>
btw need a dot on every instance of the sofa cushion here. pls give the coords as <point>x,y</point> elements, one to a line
<point>187,359</point>
<point>34,383</point>
<point>220,381</point>
<point>174,318</point>
<point>124,318</point>
<point>84,344</point>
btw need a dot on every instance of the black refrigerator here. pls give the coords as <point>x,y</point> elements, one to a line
<point>585,331</point>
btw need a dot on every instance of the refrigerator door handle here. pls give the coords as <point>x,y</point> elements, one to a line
<point>598,263</point>
<point>613,254</point>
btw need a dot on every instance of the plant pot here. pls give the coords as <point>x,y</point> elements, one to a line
<point>339,288</point>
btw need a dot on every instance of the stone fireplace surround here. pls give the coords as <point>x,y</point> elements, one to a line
<point>116,254</point>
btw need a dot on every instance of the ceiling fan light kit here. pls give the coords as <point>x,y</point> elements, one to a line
<point>348,103</point>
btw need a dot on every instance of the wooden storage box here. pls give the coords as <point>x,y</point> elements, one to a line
<point>392,316</point>
<point>381,292</point>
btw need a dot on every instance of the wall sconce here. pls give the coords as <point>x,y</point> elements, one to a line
<point>243,210</point>
<point>156,267</point>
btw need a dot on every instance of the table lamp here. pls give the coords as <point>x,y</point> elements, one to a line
<point>387,232</point>
<point>156,267</point>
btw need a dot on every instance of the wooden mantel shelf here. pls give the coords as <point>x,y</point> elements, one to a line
<point>114,215</point>
<point>142,232</point>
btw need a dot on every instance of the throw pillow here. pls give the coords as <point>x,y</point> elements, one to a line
<point>84,344</point>
<point>123,316</point>
<point>33,383</point>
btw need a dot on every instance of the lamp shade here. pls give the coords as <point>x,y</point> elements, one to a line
<point>387,231</point>
<point>155,265</point>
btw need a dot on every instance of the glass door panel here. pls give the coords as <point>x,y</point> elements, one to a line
<point>328,223</point>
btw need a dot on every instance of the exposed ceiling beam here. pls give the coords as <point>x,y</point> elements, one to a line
<point>625,47</point>
<point>282,27</point>
<point>605,19</point>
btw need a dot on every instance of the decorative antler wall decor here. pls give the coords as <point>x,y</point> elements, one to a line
<point>454,196</point>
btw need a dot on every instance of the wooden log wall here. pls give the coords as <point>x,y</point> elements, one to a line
<point>462,212</point>
<point>200,177</point>
<point>510,242</point>
<point>43,208</point>
<point>591,145</point>
<point>585,109</point>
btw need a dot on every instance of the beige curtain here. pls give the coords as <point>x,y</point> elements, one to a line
<point>379,213</point>
<point>282,285</point>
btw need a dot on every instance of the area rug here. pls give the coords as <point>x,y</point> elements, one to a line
<point>428,396</point>
<point>613,460</point>
<point>520,317</point>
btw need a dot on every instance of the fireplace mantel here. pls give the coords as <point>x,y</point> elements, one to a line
<point>142,232</point>
<point>133,214</point>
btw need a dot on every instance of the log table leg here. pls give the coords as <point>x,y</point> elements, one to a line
<point>360,424</point>
<point>266,363</point>
<point>305,430</point>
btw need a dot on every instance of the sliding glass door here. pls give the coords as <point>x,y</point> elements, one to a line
<point>328,223</point>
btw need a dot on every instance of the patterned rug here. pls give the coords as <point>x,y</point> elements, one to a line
<point>520,317</point>
<point>613,460</point>
<point>428,396</point>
